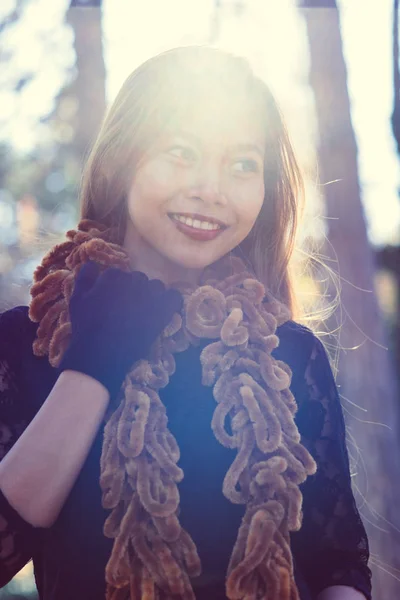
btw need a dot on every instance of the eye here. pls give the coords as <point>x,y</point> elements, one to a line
<point>246,165</point>
<point>185,153</point>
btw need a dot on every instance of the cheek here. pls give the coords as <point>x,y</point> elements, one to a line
<point>153,184</point>
<point>248,202</point>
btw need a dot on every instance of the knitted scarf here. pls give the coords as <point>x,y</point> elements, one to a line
<point>153,557</point>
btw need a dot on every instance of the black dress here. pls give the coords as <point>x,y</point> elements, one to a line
<point>69,558</point>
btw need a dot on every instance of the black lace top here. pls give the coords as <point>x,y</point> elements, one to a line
<point>69,558</point>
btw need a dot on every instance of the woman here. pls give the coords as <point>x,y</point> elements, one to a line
<point>168,430</point>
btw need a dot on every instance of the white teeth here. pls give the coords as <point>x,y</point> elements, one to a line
<point>196,223</point>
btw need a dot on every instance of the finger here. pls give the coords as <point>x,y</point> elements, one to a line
<point>139,278</point>
<point>172,302</point>
<point>138,286</point>
<point>87,277</point>
<point>156,287</point>
<point>144,290</point>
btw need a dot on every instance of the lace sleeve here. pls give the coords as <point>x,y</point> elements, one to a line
<point>332,546</point>
<point>16,535</point>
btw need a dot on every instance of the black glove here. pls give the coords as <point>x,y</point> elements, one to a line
<point>115,318</point>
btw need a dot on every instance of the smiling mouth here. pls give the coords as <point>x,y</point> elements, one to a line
<point>194,232</point>
<point>198,222</point>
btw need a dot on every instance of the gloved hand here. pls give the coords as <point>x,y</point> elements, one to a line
<point>115,318</point>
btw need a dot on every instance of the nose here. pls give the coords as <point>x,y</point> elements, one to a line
<point>207,184</point>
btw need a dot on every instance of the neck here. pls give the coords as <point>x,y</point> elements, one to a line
<point>146,259</point>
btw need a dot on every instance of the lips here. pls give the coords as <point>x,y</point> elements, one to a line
<point>201,235</point>
<point>198,217</point>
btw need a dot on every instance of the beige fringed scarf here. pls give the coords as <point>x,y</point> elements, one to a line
<point>153,557</point>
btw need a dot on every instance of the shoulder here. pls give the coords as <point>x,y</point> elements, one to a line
<point>295,333</point>
<point>296,343</point>
<point>17,333</point>
<point>302,350</point>
<point>16,328</point>
<point>25,379</point>
<point>18,315</point>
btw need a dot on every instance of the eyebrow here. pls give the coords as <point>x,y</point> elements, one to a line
<point>240,147</point>
<point>249,147</point>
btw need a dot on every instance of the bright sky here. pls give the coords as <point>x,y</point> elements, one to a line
<point>133,31</point>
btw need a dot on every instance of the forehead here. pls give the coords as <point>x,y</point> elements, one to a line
<point>216,116</point>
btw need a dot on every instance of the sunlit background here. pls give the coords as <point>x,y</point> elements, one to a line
<point>269,33</point>
<point>39,173</point>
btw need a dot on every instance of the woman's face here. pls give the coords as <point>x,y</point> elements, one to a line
<point>210,168</point>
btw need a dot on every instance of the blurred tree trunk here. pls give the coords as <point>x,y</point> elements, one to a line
<point>389,257</point>
<point>90,79</point>
<point>366,374</point>
<point>396,76</point>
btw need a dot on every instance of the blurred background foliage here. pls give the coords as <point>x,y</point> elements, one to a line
<point>334,68</point>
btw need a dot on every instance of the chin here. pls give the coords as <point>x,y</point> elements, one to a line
<point>198,259</point>
<point>194,264</point>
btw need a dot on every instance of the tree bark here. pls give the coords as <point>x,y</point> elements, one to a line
<point>396,76</point>
<point>90,78</point>
<point>366,374</point>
